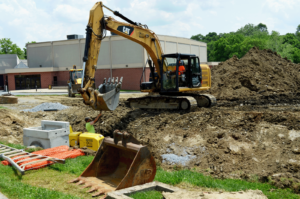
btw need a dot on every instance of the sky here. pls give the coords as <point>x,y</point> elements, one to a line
<point>51,20</point>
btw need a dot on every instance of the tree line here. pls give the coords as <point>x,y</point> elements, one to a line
<point>223,46</point>
<point>8,47</point>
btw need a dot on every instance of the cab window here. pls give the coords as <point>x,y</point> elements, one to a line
<point>195,65</point>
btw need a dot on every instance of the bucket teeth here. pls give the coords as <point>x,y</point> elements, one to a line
<point>92,189</point>
<point>75,180</point>
<point>101,191</point>
<point>86,186</point>
<point>103,197</point>
<point>98,193</point>
<point>80,182</point>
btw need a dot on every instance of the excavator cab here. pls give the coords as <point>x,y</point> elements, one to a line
<point>180,71</point>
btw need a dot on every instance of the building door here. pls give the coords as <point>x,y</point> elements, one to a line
<point>27,81</point>
<point>1,82</point>
<point>54,81</point>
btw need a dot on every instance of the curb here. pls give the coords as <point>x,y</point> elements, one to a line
<point>2,196</point>
<point>158,186</point>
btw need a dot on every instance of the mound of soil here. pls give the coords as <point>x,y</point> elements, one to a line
<point>12,123</point>
<point>258,73</point>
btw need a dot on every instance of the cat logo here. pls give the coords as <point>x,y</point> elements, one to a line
<point>126,29</point>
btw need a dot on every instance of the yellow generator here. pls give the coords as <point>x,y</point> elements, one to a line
<point>90,140</point>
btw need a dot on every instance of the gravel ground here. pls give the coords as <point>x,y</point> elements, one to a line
<point>175,159</point>
<point>46,106</point>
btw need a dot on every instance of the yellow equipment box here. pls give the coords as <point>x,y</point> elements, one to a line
<point>74,138</point>
<point>90,140</point>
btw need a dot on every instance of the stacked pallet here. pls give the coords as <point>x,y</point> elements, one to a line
<point>8,100</point>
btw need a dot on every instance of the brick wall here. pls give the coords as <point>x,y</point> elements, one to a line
<point>11,81</point>
<point>100,75</point>
<point>46,79</point>
<point>62,76</point>
<point>131,77</point>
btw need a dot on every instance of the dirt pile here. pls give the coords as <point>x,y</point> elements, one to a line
<point>249,141</point>
<point>258,73</point>
<point>12,123</point>
<point>226,142</point>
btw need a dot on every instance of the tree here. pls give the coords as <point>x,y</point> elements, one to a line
<point>227,46</point>
<point>247,30</point>
<point>298,32</point>
<point>291,39</point>
<point>277,43</point>
<point>262,27</point>
<point>198,37</point>
<point>8,47</point>
<point>210,38</point>
<point>25,49</point>
<point>296,55</point>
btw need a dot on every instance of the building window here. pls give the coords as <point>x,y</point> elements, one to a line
<point>27,81</point>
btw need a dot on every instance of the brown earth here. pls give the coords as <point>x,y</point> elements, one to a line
<point>253,132</point>
<point>259,73</point>
<point>227,142</point>
<point>249,194</point>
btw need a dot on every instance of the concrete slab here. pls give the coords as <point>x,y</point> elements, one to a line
<point>2,196</point>
<point>158,186</point>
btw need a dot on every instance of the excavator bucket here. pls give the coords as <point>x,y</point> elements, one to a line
<point>109,93</point>
<point>119,163</point>
<point>106,98</point>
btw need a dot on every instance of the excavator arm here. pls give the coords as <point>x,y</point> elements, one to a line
<point>95,33</point>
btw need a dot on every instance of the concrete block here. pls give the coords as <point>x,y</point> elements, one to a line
<point>50,134</point>
<point>125,193</point>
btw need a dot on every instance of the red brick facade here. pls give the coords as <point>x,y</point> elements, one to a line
<point>100,75</point>
<point>46,79</point>
<point>131,77</point>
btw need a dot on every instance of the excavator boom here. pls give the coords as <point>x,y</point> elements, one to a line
<point>95,33</point>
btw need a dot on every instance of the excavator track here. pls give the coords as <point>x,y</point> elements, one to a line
<point>188,101</point>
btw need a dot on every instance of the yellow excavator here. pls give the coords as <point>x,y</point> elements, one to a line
<point>169,89</point>
<point>122,161</point>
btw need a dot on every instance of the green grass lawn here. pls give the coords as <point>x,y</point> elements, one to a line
<point>16,146</point>
<point>198,179</point>
<point>2,107</point>
<point>147,195</point>
<point>12,186</point>
<point>51,181</point>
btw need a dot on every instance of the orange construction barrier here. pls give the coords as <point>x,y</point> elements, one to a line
<point>61,152</point>
<point>45,152</point>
